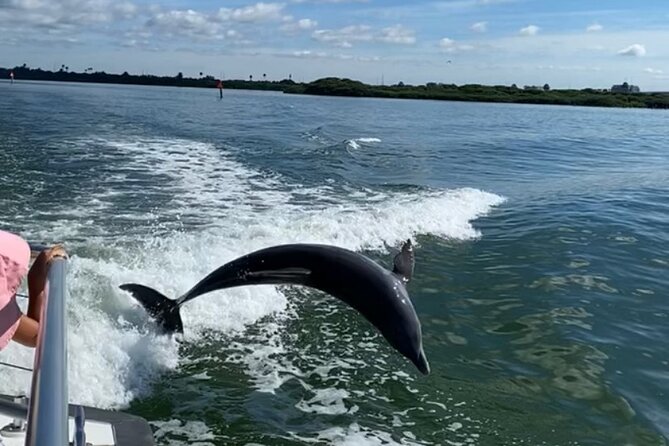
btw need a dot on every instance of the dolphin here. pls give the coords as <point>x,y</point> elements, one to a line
<point>378,294</point>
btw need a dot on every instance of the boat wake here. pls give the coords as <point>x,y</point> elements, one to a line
<point>167,212</point>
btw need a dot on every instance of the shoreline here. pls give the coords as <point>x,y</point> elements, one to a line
<point>332,86</point>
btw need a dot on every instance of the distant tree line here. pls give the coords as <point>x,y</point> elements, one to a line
<point>333,86</point>
<point>482,93</point>
<point>179,80</point>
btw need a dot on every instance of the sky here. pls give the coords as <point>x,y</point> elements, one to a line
<point>565,43</point>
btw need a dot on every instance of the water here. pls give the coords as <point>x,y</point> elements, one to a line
<point>542,271</point>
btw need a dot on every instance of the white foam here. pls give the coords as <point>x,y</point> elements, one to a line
<point>190,433</point>
<point>327,401</point>
<point>357,143</point>
<point>114,352</point>
<point>352,144</point>
<point>356,435</point>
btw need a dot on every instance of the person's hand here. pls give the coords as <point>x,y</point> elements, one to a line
<point>55,251</point>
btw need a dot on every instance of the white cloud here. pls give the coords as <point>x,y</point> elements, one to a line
<point>345,37</point>
<point>653,71</point>
<point>456,5</point>
<point>636,50</point>
<point>300,25</point>
<point>126,10</point>
<point>329,1</point>
<point>307,23</point>
<point>130,43</point>
<point>479,27</point>
<point>491,2</point>
<point>206,26</point>
<point>308,54</point>
<point>446,43</point>
<point>260,12</point>
<point>530,30</point>
<point>451,46</point>
<point>64,13</point>
<point>595,27</point>
<point>188,23</point>
<point>569,68</point>
<point>397,34</point>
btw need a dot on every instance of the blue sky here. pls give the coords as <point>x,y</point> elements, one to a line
<point>566,43</point>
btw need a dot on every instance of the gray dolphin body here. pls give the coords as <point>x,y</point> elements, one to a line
<point>378,294</point>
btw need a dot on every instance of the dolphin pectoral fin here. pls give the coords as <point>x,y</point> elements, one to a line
<point>421,363</point>
<point>404,262</point>
<point>288,274</point>
<point>164,310</point>
<point>233,275</point>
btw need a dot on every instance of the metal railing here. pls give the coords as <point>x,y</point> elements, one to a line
<point>48,409</point>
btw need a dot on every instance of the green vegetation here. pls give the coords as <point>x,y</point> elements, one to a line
<point>64,75</point>
<point>483,93</point>
<point>345,87</point>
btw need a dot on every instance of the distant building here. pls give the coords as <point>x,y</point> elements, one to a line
<point>625,88</point>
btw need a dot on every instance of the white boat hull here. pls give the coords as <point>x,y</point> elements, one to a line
<point>102,427</point>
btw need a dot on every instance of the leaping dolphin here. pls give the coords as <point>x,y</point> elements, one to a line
<point>378,294</point>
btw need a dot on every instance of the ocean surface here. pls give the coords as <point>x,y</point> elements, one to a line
<point>542,262</point>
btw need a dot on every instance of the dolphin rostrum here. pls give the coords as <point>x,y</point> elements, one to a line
<point>378,294</point>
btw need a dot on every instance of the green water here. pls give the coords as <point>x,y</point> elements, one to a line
<point>541,263</point>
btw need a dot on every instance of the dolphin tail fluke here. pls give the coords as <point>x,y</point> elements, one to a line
<point>163,309</point>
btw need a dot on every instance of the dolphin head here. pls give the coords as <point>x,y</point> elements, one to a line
<point>375,292</point>
<point>401,326</point>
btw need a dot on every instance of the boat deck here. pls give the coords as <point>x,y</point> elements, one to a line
<point>103,428</point>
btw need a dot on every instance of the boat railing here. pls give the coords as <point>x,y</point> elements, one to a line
<point>47,411</point>
<point>48,408</point>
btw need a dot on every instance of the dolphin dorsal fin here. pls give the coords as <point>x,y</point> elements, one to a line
<point>404,262</point>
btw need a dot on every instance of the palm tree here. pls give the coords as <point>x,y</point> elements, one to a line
<point>250,77</point>
<point>264,76</point>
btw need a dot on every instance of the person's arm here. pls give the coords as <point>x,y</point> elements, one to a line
<point>26,332</point>
<point>37,279</point>
<point>28,328</point>
<point>36,284</point>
